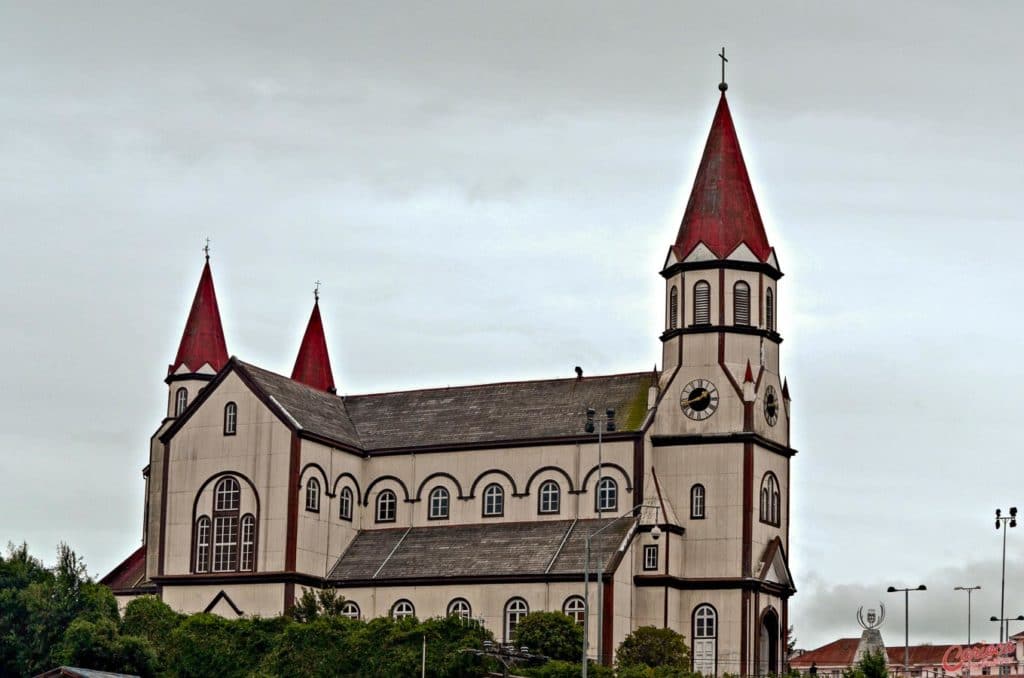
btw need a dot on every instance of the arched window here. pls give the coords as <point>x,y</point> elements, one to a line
<point>387,505</point>
<point>705,640</point>
<point>313,495</point>
<point>673,308</point>
<point>702,303</point>
<point>769,310</point>
<point>770,500</point>
<point>403,608</point>
<point>345,504</point>
<point>459,607</point>
<point>226,499</point>
<point>607,495</point>
<point>741,303</point>
<point>575,608</point>
<point>247,563</point>
<point>697,502</point>
<point>494,500</point>
<point>350,609</point>
<point>515,610</point>
<point>180,401</point>
<point>230,419</point>
<point>550,497</point>
<point>203,544</point>
<point>438,504</point>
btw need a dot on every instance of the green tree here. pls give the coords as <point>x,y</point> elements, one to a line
<point>150,618</point>
<point>562,669</point>
<point>207,645</point>
<point>553,634</point>
<point>653,647</point>
<point>871,665</point>
<point>321,647</point>
<point>99,645</point>
<point>314,603</point>
<point>18,571</point>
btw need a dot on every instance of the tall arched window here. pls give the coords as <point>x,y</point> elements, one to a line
<point>313,495</point>
<point>515,610</point>
<point>438,504</point>
<point>180,401</point>
<point>230,419</point>
<point>697,502</point>
<point>203,544</point>
<point>550,497</point>
<point>607,495</point>
<point>345,504</point>
<point>702,303</point>
<point>403,608</point>
<point>226,500</point>
<point>459,607</point>
<point>741,303</point>
<point>673,308</point>
<point>387,506</point>
<point>705,640</point>
<point>769,310</point>
<point>494,500</point>
<point>247,562</point>
<point>575,608</point>
<point>770,500</point>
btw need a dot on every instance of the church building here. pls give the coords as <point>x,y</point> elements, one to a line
<point>480,501</point>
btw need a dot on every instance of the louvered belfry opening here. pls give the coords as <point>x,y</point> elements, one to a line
<point>673,308</point>
<point>741,303</point>
<point>769,310</point>
<point>702,303</point>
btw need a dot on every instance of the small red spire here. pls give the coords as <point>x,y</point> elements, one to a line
<point>203,339</point>
<point>749,376</point>
<point>785,389</point>
<point>722,211</point>
<point>313,365</point>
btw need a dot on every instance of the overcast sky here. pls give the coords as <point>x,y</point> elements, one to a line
<point>487,192</point>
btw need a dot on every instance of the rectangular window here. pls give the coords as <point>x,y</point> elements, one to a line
<point>651,557</point>
<point>203,545</point>
<point>248,544</point>
<point>225,543</point>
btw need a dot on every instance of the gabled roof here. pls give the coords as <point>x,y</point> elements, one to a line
<point>722,212</point>
<point>75,672</point>
<point>313,364</point>
<point>843,651</point>
<point>130,574</point>
<point>202,342</point>
<point>547,547</point>
<point>775,565</point>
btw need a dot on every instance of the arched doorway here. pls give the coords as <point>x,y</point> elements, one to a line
<point>768,655</point>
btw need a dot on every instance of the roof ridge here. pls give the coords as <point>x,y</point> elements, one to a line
<point>644,373</point>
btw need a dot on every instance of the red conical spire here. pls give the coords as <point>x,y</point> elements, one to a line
<point>203,339</point>
<point>722,211</point>
<point>313,365</point>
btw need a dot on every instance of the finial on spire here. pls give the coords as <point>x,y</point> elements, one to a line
<point>316,291</point>
<point>722,86</point>
<point>206,249</point>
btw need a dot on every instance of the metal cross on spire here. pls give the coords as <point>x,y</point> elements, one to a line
<point>206,249</point>
<point>316,291</point>
<point>722,86</point>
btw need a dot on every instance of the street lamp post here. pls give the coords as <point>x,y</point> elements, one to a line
<point>906,624</point>
<point>655,533</point>
<point>1005,522</point>
<point>599,423</point>
<point>1005,622</point>
<point>970,590</point>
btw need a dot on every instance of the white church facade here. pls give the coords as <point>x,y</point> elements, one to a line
<point>478,500</point>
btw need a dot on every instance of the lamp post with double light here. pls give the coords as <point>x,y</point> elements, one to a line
<point>655,534</point>
<point>1004,522</point>
<point>906,623</point>
<point>970,590</point>
<point>1004,623</point>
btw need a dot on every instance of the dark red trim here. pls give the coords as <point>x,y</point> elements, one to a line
<point>783,650</point>
<point>226,598</point>
<point>607,637</point>
<point>163,509</point>
<point>604,465</point>
<point>380,479</point>
<point>332,443</point>
<point>735,329</point>
<point>289,596</point>
<point>760,299</point>
<point>759,617</point>
<point>638,468</point>
<point>346,474</point>
<point>476,481</point>
<point>744,437</point>
<point>189,376</point>
<point>498,444</point>
<point>748,507</point>
<point>730,264</point>
<point>542,469</point>
<point>440,474</point>
<point>668,528</point>
<point>711,584</point>
<point>721,296</point>
<point>744,631</point>
<point>292,528</point>
<point>323,474</point>
<point>664,623</point>
<point>321,582</point>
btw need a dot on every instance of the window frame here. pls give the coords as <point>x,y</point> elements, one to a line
<point>702,635</point>
<point>698,500</point>
<point>247,543</point>
<point>740,290</point>
<point>498,496</point>
<point>579,614</point>
<point>313,495</point>
<point>230,418</point>
<point>347,609</point>
<point>544,494</point>
<point>437,492</point>
<point>509,626</point>
<point>180,401</point>
<point>701,292</point>
<point>394,613</point>
<point>599,505</point>
<point>203,545</point>
<point>673,308</point>
<point>451,612</point>
<point>770,500</point>
<point>393,505</point>
<point>649,564</point>
<point>225,540</point>
<point>769,309</point>
<point>345,501</point>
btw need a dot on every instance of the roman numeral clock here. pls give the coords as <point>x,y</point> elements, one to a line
<point>699,399</point>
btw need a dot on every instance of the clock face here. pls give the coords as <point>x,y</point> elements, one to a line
<point>771,406</point>
<point>699,399</point>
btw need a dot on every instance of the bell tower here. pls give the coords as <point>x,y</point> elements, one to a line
<point>202,351</point>
<point>720,439</point>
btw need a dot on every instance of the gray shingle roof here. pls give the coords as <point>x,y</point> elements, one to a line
<point>490,549</point>
<point>459,415</point>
